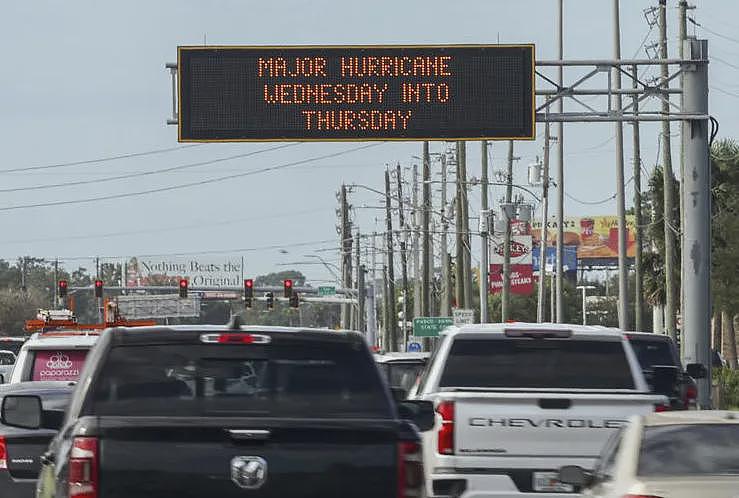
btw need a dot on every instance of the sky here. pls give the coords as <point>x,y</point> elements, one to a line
<point>85,80</point>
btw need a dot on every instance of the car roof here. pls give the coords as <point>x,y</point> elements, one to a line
<point>649,335</point>
<point>168,332</point>
<point>590,331</point>
<point>51,341</point>
<point>401,357</point>
<point>692,417</point>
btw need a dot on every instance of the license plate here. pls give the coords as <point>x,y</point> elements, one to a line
<point>548,482</point>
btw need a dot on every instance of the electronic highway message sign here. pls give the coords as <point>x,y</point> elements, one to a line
<point>356,93</point>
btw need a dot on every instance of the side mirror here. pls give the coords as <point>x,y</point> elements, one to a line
<point>664,379</point>
<point>21,411</point>
<point>696,370</point>
<point>577,476</point>
<point>419,412</point>
<point>399,394</point>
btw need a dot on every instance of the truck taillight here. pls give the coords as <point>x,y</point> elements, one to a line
<point>83,468</point>
<point>691,395</point>
<point>3,454</point>
<point>662,408</point>
<point>445,439</point>
<point>410,470</point>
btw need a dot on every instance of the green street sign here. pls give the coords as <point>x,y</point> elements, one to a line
<point>430,326</point>
<point>327,290</point>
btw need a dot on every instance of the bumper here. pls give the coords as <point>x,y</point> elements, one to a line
<point>16,488</point>
<point>500,485</point>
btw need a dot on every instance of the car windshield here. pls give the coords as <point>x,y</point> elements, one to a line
<point>536,363</point>
<point>650,352</point>
<point>6,358</point>
<point>683,449</point>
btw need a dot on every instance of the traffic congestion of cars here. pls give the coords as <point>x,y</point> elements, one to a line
<point>515,409</point>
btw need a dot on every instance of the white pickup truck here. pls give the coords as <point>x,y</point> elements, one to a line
<point>515,402</point>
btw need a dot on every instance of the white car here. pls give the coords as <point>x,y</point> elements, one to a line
<point>667,455</point>
<point>516,402</point>
<point>52,356</point>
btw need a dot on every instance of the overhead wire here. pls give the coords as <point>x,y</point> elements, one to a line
<point>140,174</point>
<point>100,159</point>
<point>189,184</point>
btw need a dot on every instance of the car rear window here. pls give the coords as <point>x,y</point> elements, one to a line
<point>58,364</point>
<point>682,449</point>
<point>651,353</point>
<point>275,380</point>
<point>537,364</point>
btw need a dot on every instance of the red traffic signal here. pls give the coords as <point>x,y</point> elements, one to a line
<point>248,288</point>
<point>98,288</point>
<point>62,289</point>
<point>287,286</point>
<point>183,287</point>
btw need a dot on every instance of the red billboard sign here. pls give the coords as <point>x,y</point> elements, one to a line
<point>522,279</point>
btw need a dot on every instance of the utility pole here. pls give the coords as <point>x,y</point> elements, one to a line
<point>667,184</point>
<point>560,175</point>
<point>446,296</point>
<point>544,230</point>
<point>346,256</point>
<point>466,255</point>
<point>358,312</point>
<point>507,215</point>
<point>683,8</point>
<point>361,296</point>
<point>459,236</point>
<point>623,269</point>
<point>372,298</point>
<point>639,279</point>
<point>391,325</point>
<point>403,248</point>
<point>484,229</point>
<point>697,313</point>
<point>56,283</point>
<point>425,215</point>
<point>415,220</point>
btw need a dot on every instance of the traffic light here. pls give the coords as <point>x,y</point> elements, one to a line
<point>294,300</point>
<point>248,292</point>
<point>270,300</point>
<point>98,288</point>
<point>287,286</point>
<point>62,289</point>
<point>183,287</point>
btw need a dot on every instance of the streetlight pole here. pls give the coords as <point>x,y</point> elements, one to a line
<point>584,289</point>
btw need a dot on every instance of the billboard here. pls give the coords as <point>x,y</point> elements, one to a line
<point>569,260</point>
<point>212,273</point>
<point>158,306</point>
<point>520,249</point>
<point>596,237</point>
<point>522,279</point>
<point>355,93</point>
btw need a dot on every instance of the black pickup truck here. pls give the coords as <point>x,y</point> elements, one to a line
<point>230,411</point>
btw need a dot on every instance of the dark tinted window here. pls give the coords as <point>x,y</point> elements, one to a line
<point>651,353</point>
<point>537,363</point>
<point>402,374</point>
<point>306,380</point>
<point>689,450</point>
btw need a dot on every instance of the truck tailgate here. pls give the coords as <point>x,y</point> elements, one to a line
<point>555,425</point>
<point>302,459</point>
<point>23,452</point>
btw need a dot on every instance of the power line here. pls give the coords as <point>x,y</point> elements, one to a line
<point>100,159</point>
<point>199,253</point>
<point>167,229</point>
<point>187,185</point>
<point>693,21</point>
<point>725,92</point>
<point>725,62</point>
<point>145,173</point>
